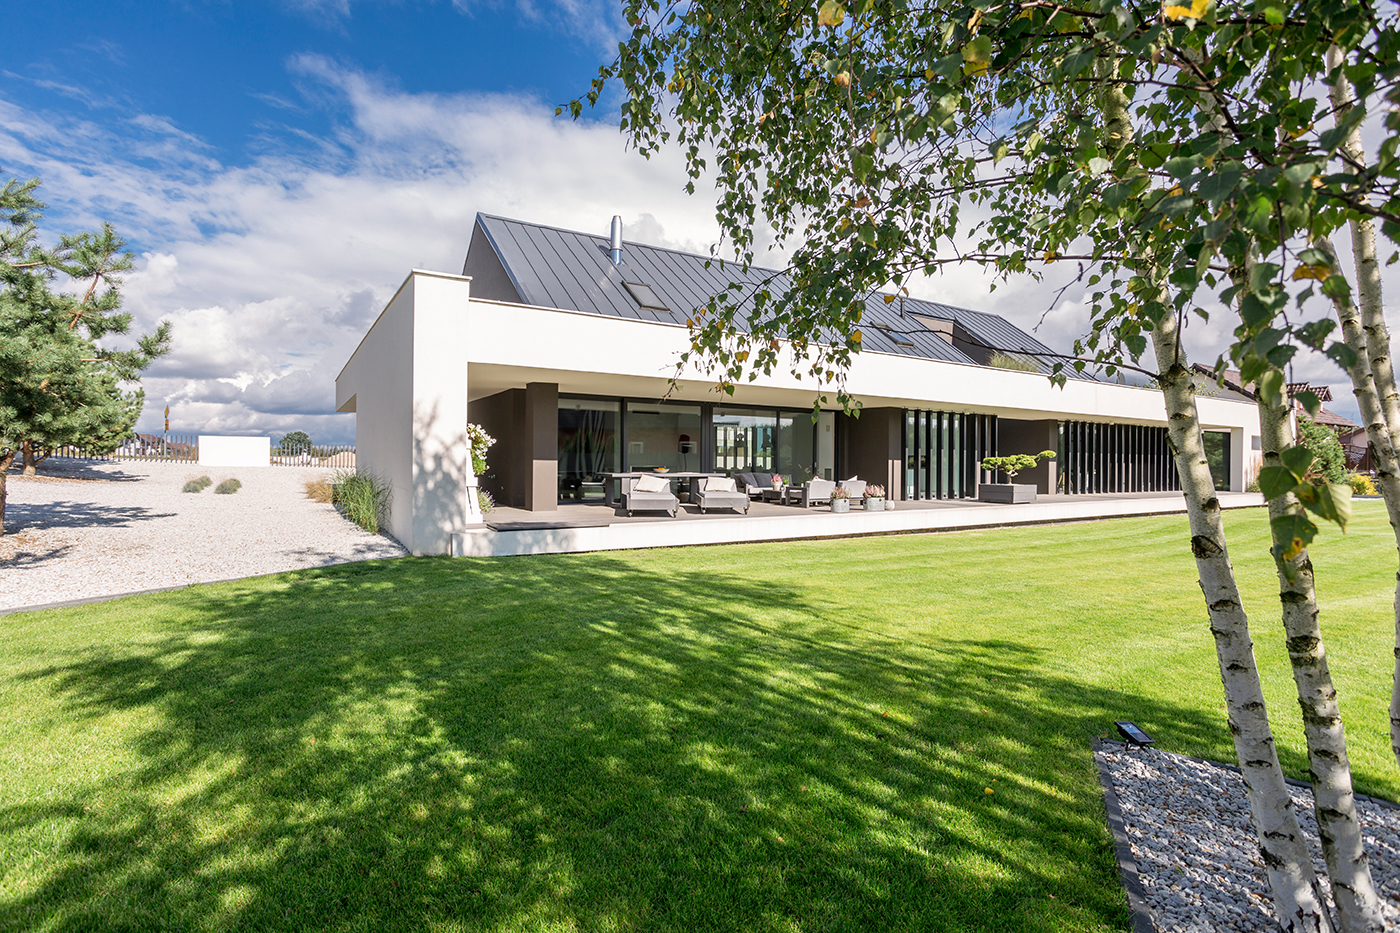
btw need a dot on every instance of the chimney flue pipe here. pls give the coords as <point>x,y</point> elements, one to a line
<point>617,240</point>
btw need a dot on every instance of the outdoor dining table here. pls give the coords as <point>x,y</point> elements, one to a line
<point>612,491</point>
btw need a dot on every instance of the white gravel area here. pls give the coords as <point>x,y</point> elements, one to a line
<point>1189,828</point>
<point>91,528</point>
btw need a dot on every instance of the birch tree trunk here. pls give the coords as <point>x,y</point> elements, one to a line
<point>1297,900</point>
<point>1373,376</point>
<point>1358,908</point>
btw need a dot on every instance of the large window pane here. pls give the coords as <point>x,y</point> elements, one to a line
<point>1218,456</point>
<point>663,435</point>
<point>744,440</point>
<point>796,445</point>
<point>588,446</point>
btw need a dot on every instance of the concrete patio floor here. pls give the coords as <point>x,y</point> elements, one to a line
<point>594,526</point>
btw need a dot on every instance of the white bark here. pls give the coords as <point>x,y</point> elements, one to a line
<point>1358,908</point>
<point>1297,900</point>
<point>1373,376</point>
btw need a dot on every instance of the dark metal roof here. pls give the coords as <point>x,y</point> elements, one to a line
<point>565,269</point>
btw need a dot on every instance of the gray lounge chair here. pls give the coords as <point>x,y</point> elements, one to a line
<point>816,491</point>
<point>635,501</point>
<point>712,499</point>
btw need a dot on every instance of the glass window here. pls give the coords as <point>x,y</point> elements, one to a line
<point>797,436</point>
<point>660,434</point>
<point>588,446</point>
<point>745,440</point>
<point>1218,456</point>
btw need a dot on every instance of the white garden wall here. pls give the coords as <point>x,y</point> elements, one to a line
<point>217,450</point>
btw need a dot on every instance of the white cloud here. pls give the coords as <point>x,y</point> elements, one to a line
<point>271,271</point>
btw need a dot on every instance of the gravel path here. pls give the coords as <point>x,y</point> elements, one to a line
<point>1188,824</point>
<point>83,528</point>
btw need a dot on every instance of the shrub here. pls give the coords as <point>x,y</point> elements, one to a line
<point>485,501</point>
<point>1329,460</point>
<point>320,490</point>
<point>1361,484</point>
<point>197,485</point>
<point>1005,361</point>
<point>228,487</point>
<point>363,498</point>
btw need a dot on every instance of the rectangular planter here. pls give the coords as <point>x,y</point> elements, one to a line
<point>1012,493</point>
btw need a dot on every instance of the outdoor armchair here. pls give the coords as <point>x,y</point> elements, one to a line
<point>816,491</point>
<point>856,487</point>
<point>649,493</point>
<point>720,493</point>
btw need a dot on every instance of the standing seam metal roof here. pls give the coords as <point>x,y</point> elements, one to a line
<point>565,269</point>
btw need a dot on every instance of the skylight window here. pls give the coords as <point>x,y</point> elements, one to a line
<point>645,297</point>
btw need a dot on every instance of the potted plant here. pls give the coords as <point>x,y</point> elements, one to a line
<point>478,442</point>
<point>840,500</point>
<point>1011,464</point>
<point>875,498</point>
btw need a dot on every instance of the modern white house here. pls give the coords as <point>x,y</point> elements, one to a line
<point>565,345</point>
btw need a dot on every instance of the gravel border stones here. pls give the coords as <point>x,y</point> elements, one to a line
<point>83,529</point>
<point>1192,845</point>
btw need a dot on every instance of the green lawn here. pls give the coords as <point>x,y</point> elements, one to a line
<point>784,737</point>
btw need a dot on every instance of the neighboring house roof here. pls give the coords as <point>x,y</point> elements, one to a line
<point>527,263</point>
<point>1335,421</point>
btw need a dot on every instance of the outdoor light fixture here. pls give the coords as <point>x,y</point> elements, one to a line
<point>1133,734</point>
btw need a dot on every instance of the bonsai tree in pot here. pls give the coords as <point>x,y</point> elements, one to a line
<point>1011,465</point>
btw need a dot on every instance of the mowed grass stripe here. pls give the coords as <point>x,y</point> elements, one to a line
<point>788,737</point>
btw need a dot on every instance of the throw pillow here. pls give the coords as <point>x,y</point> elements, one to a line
<point>720,484</point>
<point>651,483</point>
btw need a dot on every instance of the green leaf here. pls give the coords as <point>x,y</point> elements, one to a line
<point>1273,16</point>
<point>830,13</point>
<point>1297,460</point>
<point>1330,502</point>
<point>1292,532</point>
<point>1097,166</point>
<point>1271,388</point>
<point>1275,481</point>
<point>1310,402</point>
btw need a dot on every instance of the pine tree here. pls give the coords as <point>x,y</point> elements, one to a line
<point>58,384</point>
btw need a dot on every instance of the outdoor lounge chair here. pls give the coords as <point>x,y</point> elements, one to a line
<point>647,494</point>
<point>816,491</point>
<point>856,487</point>
<point>719,493</point>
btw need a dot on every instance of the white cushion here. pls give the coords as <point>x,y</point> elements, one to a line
<point>719,484</point>
<point>650,482</point>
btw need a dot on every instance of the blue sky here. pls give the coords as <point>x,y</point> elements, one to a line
<point>279,165</point>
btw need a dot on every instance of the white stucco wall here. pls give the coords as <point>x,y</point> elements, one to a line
<point>218,450</point>
<point>406,383</point>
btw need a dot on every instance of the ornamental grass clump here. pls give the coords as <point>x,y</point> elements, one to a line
<point>362,497</point>
<point>228,487</point>
<point>197,485</point>
<point>320,490</point>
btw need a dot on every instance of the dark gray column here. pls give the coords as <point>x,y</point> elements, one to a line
<point>541,435</point>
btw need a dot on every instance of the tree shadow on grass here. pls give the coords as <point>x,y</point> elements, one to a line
<point>565,744</point>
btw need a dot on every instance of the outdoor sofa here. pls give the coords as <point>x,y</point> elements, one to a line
<point>649,493</point>
<point>818,491</point>
<point>713,492</point>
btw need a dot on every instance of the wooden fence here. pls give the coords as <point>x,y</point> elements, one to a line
<point>184,448</point>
